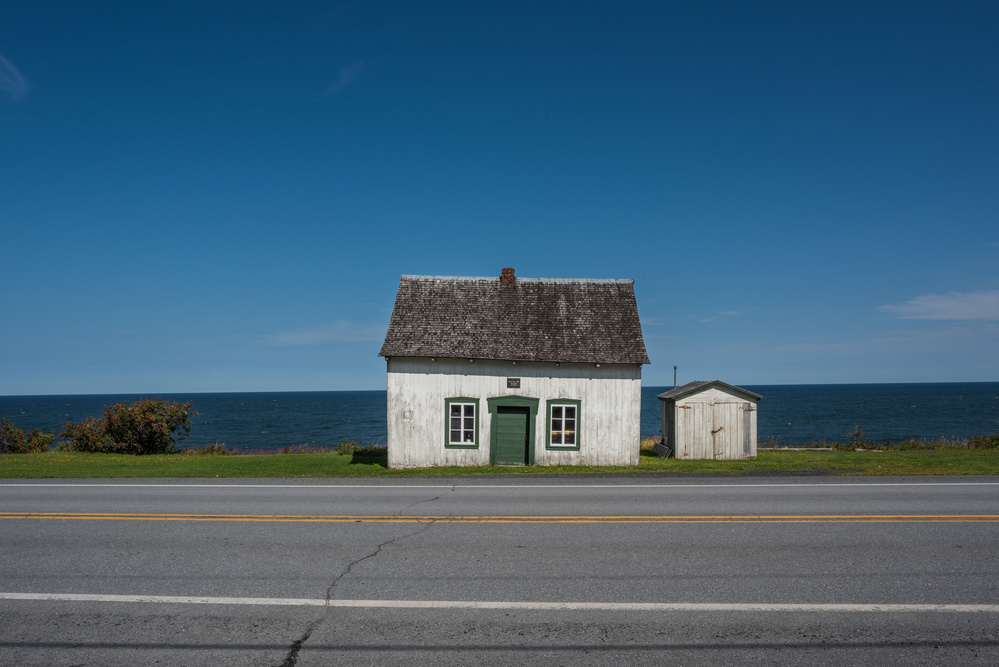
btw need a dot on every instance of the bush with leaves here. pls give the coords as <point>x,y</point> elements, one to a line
<point>989,441</point>
<point>371,451</point>
<point>214,449</point>
<point>346,447</point>
<point>15,441</point>
<point>148,426</point>
<point>85,436</point>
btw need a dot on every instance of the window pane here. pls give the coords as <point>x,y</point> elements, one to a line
<point>455,436</point>
<point>469,423</point>
<point>469,410</point>
<point>455,422</point>
<point>469,436</point>
<point>562,422</point>
<point>456,409</point>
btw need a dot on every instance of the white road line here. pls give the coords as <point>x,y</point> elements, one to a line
<point>4,485</point>
<point>525,605</point>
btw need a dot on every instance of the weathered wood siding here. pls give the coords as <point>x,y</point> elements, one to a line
<point>609,416</point>
<point>715,423</point>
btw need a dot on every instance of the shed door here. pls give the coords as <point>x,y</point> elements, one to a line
<point>727,430</point>
<point>511,435</point>
<point>694,439</point>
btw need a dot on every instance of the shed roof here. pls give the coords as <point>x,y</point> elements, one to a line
<point>700,385</point>
<point>529,319</point>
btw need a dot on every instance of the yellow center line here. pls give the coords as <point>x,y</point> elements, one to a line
<point>294,518</point>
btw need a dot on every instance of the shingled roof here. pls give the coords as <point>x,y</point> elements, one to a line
<point>527,319</point>
<point>693,387</point>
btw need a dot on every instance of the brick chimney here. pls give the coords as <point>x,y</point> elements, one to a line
<point>507,276</point>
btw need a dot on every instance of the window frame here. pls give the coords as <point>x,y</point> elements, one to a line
<point>461,400</point>
<point>562,402</point>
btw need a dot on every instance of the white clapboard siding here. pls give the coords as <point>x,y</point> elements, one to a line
<point>714,423</point>
<point>609,418</point>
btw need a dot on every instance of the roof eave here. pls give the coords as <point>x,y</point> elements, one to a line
<point>699,385</point>
<point>431,355</point>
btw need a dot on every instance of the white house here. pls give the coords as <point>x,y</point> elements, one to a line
<point>513,371</point>
<point>709,420</point>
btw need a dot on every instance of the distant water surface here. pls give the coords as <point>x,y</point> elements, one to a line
<point>800,414</point>
<point>248,420</point>
<point>795,414</point>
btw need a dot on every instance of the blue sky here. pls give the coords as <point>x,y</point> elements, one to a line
<point>221,196</point>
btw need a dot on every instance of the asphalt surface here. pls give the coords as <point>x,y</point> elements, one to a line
<point>248,584</point>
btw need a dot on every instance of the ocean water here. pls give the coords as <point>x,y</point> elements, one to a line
<point>794,414</point>
<point>803,414</point>
<point>247,420</point>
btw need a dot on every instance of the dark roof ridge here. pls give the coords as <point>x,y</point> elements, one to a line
<point>606,281</point>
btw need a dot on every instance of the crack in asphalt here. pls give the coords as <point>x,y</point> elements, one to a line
<point>453,489</point>
<point>292,658</point>
<point>417,502</point>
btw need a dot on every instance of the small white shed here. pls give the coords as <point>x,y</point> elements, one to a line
<point>709,419</point>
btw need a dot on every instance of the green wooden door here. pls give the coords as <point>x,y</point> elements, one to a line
<point>511,435</point>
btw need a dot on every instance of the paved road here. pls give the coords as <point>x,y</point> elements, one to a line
<point>541,571</point>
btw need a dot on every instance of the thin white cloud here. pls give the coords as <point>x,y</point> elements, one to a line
<point>726,313</point>
<point>12,81</point>
<point>345,77</point>
<point>980,305</point>
<point>339,332</point>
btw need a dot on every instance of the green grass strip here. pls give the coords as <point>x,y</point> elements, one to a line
<point>62,465</point>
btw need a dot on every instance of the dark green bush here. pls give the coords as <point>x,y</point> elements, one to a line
<point>217,449</point>
<point>85,436</point>
<point>346,447</point>
<point>147,426</point>
<point>990,441</point>
<point>351,447</point>
<point>371,451</point>
<point>15,441</point>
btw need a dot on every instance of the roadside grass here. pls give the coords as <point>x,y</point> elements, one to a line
<point>67,465</point>
<point>71,465</point>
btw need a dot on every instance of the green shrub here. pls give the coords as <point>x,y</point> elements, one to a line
<point>15,441</point>
<point>858,438</point>
<point>990,441</point>
<point>346,447</point>
<point>85,436</point>
<point>147,426</point>
<point>370,451</point>
<point>216,449</point>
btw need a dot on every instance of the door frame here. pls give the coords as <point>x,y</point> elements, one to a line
<point>513,402</point>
